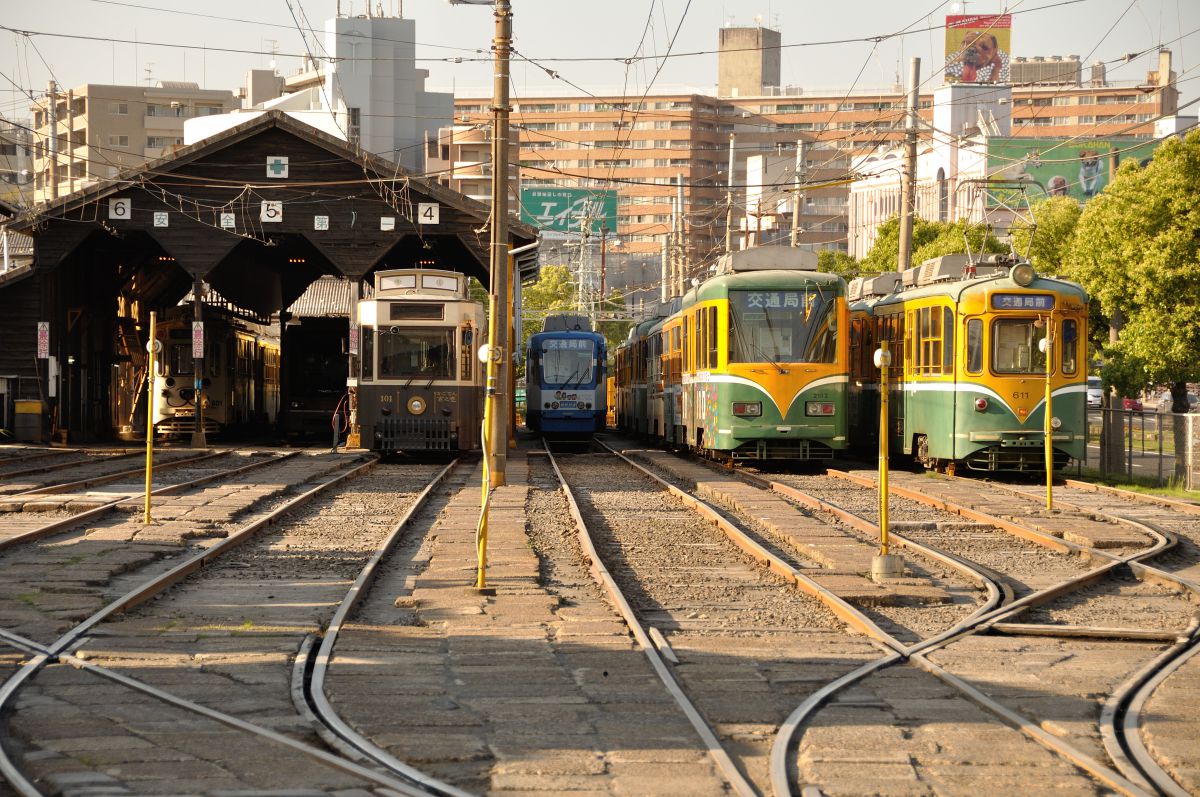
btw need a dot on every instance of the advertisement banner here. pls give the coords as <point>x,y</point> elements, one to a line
<point>568,209</point>
<point>978,48</point>
<point>1078,168</point>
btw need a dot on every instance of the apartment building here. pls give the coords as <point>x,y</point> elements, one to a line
<point>645,147</point>
<point>94,131</point>
<point>16,163</point>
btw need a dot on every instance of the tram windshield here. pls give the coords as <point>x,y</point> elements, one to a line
<point>1015,346</point>
<point>797,326</point>
<point>406,352</point>
<point>567,362</point>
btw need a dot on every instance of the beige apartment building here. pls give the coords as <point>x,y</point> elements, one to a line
<point>646,147</point>
<point>101,130</point>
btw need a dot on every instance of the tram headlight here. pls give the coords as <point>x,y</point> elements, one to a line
<point>751,409</point>
<point>1055,423</point>
<point>170,381</point>
<point>820,408</point>
<point>1022,274</point>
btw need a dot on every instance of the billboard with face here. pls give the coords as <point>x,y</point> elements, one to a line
<point>1078,168</point>
<point>978,47</point>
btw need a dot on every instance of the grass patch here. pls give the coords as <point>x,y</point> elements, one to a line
<point>1174,488</point>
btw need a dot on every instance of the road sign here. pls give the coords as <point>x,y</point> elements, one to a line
<point>197,340</point>
<point>568,209</point>
<point>43,340</point>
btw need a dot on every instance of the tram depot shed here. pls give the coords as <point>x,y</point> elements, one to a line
<point>250,217</point>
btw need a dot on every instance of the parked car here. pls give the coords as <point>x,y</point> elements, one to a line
<point>1095,392</point>
<point>1165,401</point>
<point>1131,404</point>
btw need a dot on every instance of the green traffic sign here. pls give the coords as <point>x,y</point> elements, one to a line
<point>569,209</point>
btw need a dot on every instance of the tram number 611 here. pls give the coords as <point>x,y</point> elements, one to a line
<point>1019,395</point>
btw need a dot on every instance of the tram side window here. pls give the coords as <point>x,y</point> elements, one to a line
<point>701,329</point>
<point>1070,346</point>
<point>712,337</point>
<point>367,337</point>
<point>975,346</point>
<point>468,362</point>
<point>687,364</point>
<point>948,340</point>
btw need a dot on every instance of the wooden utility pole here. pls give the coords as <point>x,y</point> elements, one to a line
<point>52,144</point>
<point>500,377</point>
<point>729,200</point>
<point>797,194</point>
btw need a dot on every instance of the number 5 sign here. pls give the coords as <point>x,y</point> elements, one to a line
<point>271,211</point>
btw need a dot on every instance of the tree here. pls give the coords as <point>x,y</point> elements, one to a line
<point>1048,239</point>
<point>929,239</point>
<point>1137,252</point>
<point>831,261</point>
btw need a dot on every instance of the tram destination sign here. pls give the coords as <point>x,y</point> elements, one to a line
<point>1022,301</point>
<point>567,210</point>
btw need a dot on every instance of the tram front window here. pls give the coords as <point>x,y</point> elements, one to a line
<point>1016,346</point>
<point>413,352</point>
<point>567,362</point>
<point>786,326</point>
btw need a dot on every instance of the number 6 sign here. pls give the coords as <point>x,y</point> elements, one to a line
<point>120,208</point>
<point>271,211</point>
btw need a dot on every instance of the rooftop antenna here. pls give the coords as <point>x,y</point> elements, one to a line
<point>149,70</point>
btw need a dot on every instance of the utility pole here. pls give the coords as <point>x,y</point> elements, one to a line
<point>52,144</point>
<point>666,255</point>
<point>198,437</point>
<point>70,141</point>
<point>909,178</point>
<point>501,352</point>
<point>797,195</point>
<point>680,251</point>
<point>729,200</point>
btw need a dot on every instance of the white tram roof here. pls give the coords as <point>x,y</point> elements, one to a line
<point>405,283</point>
<point>763,258</point>
<point>952,268</point>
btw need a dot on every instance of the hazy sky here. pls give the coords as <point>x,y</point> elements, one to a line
<point>548,31</point>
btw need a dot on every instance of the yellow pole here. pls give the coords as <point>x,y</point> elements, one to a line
<point>884,361</point>
<point>1049,415</point>
<point>489,408</point>
<point>151,363</point>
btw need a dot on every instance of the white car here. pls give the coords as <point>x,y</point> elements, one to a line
<point>1095,392</point>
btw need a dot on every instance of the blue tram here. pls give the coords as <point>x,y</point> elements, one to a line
<point>565,385</point>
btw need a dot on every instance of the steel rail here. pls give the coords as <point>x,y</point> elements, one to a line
<point>323,756</point>
<point>604,578</point>
<point>80,458</point>
<point>1131,722</point>
<point>140,594</point>
<point>112,477</point>
<point>1190,507</point>
<point>56,526</point>
<point>319,661</point>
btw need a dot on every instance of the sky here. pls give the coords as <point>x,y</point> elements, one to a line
<point>585,44</point>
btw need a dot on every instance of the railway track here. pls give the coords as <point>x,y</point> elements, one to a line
<point>163,688</point>
<point>728,644</point>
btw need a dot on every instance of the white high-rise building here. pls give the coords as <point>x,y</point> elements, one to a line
<point>367,90</point>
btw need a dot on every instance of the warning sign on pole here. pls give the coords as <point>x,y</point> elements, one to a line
<point>197,340</point>
<point>353,339</point>
<point>43,342</point>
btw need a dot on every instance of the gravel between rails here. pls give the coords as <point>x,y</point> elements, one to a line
<point>1026,566</point>
<point>224,638</point>
<point>751,649</point>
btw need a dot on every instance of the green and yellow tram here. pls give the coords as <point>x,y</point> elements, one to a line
<point>973,347</point>
<point>755,361</point>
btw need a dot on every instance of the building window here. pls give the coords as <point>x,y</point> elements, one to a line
<point>118,141</point>
<point>161,142</point>
<point>118,108</point>
<point>354,125</point>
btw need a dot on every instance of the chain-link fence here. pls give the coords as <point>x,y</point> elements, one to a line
<point>1158,447</point>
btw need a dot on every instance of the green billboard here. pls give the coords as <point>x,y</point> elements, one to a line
<point>1078,168</point>
<point>568,209</point>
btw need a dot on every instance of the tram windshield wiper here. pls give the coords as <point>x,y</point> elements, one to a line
<point>742,336</point>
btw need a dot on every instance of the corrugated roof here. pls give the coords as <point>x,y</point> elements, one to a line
<point>19,245</point>
<point>325,298</point>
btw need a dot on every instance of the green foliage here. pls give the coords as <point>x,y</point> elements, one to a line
<point>554,291</point>
<point>1049,238</point>
<point>1137,252</point>
<point>831,261</point>
<point>929,239</point>
<point>614,331</point>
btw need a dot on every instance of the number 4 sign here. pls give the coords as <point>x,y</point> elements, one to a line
<point>428,213</point>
